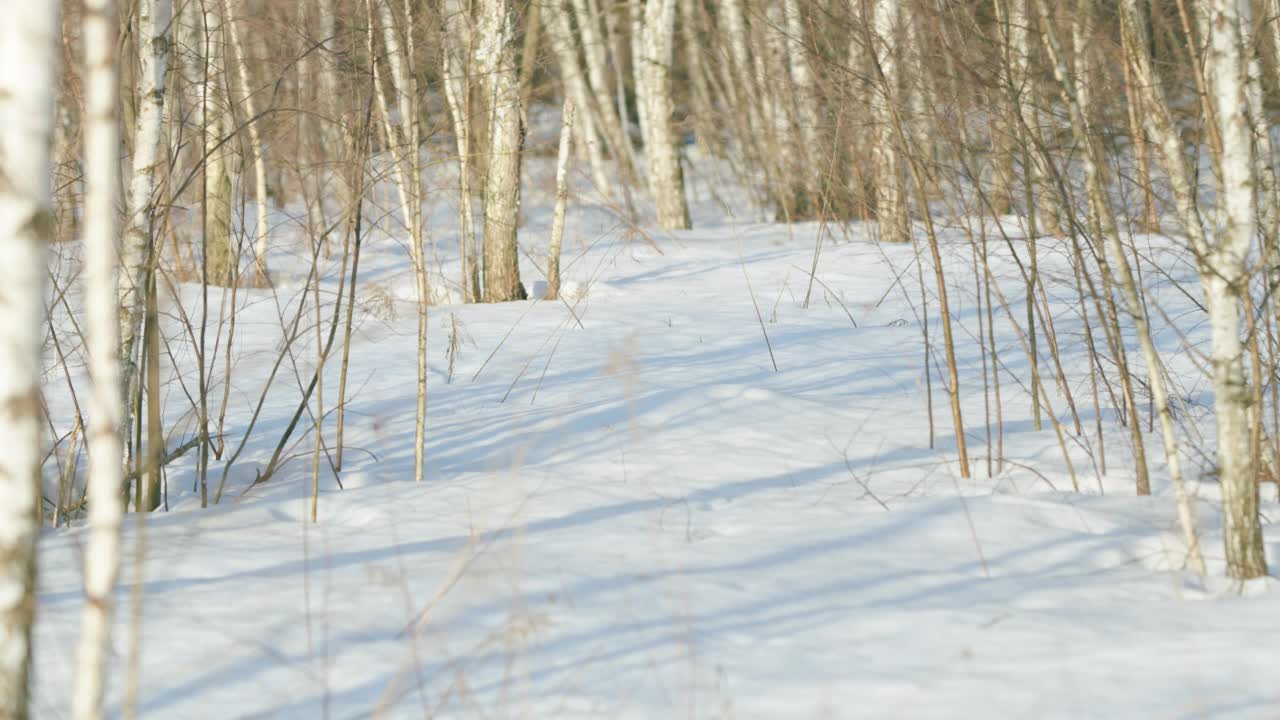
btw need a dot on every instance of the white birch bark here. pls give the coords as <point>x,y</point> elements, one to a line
<point>1045,207</point>
<point>153,57</point>
<point>596,54</point>
<point>408,180</point>
<point>409,103</point>
<point>1268,188</point>
<point>222,257</point>
<point>262,239</point>
<point>496,63</point>
<point>738,81</point>
<point>891,202</point>
<point>328,71</point>
<point>636,9</point>
<point>106,403</point>
<point>738,72</point>
<point>653,91</point>
<point>806,100</point>
<point>779,107</point>
<point>28,76</point>
<point>457,80</point>
<point>562,200</point>
<point>560,33</point>
<point>395,59</point>
<point>1225,278</point>
<point>705,123</point>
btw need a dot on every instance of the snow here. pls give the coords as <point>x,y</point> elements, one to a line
<point>640,517</point>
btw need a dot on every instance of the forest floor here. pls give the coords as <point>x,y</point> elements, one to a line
<point>629,511</point>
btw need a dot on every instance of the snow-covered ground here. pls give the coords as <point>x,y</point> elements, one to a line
<point>638,516</point>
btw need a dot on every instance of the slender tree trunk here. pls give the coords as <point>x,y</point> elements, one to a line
<point>155,431</point>
<point>153,55</point>
<point>613,119</point>
<point>891,201</point>
<point>562,201</point>
<point>560,34</point>
<point>106,408</point>
<point>219,242</point>
<point>409,93</point>
<point>1225,280</point>
<point>28,78</point>
<point>806,99</point>
<point>456,52</point>
<point>653,91</point>
<point>706,129</point>
<point>496,65</point>
<point>1004,123</point>
<point>1042,209</point>
<point>262,239</point>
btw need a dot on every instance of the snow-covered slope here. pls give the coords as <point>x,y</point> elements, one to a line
<point>638,516</point>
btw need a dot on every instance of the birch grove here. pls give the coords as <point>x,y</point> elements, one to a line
<point>213,213</point>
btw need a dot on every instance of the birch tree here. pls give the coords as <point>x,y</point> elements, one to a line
<point>402,135</point>
<point>562,201</point>
<point>1042,207</point>
<point>805,101</point>
<point>153,56</point>
<point>653,93</point>
<point>1224,276</point>
<point>496,64</point>
<point>262,235</point>
<point>891,200</point>
<point>560,33</point>
<point>613,120</point>
<point>106,412</point>
<point>220,259</point>
<point>457,57</point>
<point>28,77</point>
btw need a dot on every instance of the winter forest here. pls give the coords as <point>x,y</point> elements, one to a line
<point>639,358</point>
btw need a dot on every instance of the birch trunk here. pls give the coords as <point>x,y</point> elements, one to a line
<point>106,405</point>
<point>409,92</point>
<point>560,33</point>
<point>1043,209</point>
<point>457,80</point>
<point>496,63</point>
<point>806,100</point>
<point>262,239</point>
<point>28,77</point>
<point>780,107</point>
<point>1225,278</point>
<point>705,127</point>
<point>891,205</point>
<point>221,258</point>
<point>596,53</point>
<point>405,156</point>
<point>562,201</point>
<point>1004,124</point>
<point>653,91</point>
<point>738,68</point>
<point>153,57</point>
